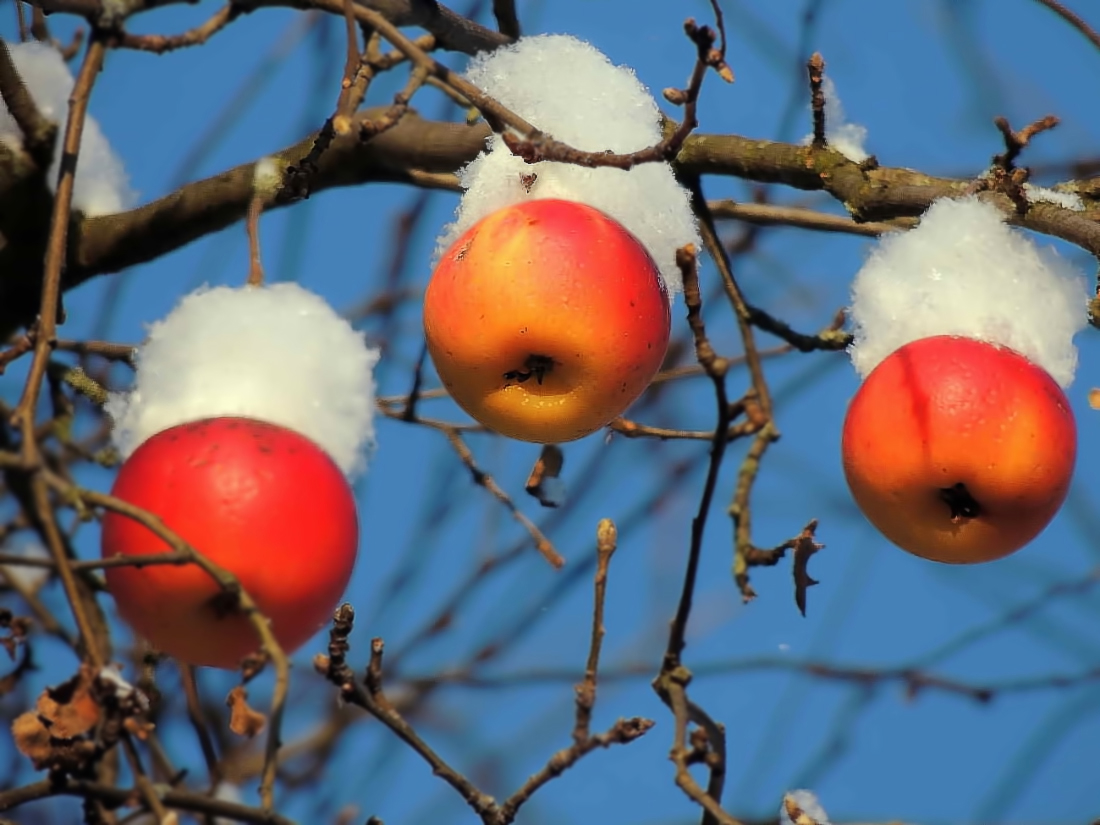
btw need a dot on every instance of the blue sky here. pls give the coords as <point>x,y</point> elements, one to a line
<point>925,77</point>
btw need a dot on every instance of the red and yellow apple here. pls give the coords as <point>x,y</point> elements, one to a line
<point>546,320</point>
<point>261,501</point>
<point>959,451</point>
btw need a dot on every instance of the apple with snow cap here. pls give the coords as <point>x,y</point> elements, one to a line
<point>549,309</point>
<point>960,444</point>
<point>248,414</point>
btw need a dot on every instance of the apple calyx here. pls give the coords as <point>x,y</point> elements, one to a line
<point>536,366</point>
<point>962,505</point>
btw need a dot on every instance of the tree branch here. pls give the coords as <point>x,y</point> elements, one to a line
<point>426,153</point>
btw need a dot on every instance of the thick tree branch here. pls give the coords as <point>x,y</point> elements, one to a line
<point>427,153</point>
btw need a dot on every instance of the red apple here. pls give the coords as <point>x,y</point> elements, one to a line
<point>546,320</point>
<point>959,451</point>
<point>262,501</point>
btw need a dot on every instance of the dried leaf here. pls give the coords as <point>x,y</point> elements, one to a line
<point>243,720</point>
<point>804,548</point>
<point>69,710</point>
<point>1094,398</point>
<point>544,483</point>
<point>32,739</point>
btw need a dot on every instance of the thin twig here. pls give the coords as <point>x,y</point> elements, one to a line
<point>606,541</point>
<point>21,21</point>
<point>252,227</point>
<point>762,214</point>
<point>46,330</point>
<point>45,339</point>
<point>22,345</point>
<point>746,554</point>
<point>141,779</point>
<point>125,353</point>
<point>335,668</point>
<point>160,43</point>
<point>716,369</point>
<point>815,68</point>
<point>197,716</point>
<point>172,798</point>
<point>743,311</point>
<point>507,20</point>
<point>372,127</point>
<point>1074,20</point>
<point>1016,142</point>
<point>483,479</point>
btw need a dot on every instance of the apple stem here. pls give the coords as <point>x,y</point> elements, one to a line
<point>961,503</point>
<point>535,365</point>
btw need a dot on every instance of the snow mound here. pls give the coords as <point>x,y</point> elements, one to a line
<point>963,271</point>
<point>276,353</point>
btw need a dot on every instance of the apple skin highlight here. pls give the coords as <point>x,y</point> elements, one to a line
<point>546,320</point>
<point>260,500</point>
<point>944,411</point>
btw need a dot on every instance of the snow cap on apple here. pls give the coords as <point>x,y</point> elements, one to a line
<point>570,90</point>
<point>960,444</point>
<point>275,353</point>
<point>963,271</point>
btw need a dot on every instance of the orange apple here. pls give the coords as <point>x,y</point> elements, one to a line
<point>546,320</point>
<point>262,501</point>
<point>959,451</point>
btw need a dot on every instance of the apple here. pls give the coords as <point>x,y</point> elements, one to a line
<point>262,501</point>
<point>546,320</point>
<point>959,451</point>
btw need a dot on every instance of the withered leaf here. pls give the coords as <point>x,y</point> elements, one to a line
<point>32,739</point>
<point>243,720</point>
<point>544,482</point>
<point>54,734</point>
<point>69,710</point>
<point>804,548</point>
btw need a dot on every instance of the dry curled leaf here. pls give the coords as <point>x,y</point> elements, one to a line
<point>243,720</point>
<point>544,482</point>
<point>69,710</point>
<point>804,548</point>
<point>32,739</point>
<point>55,734</point>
